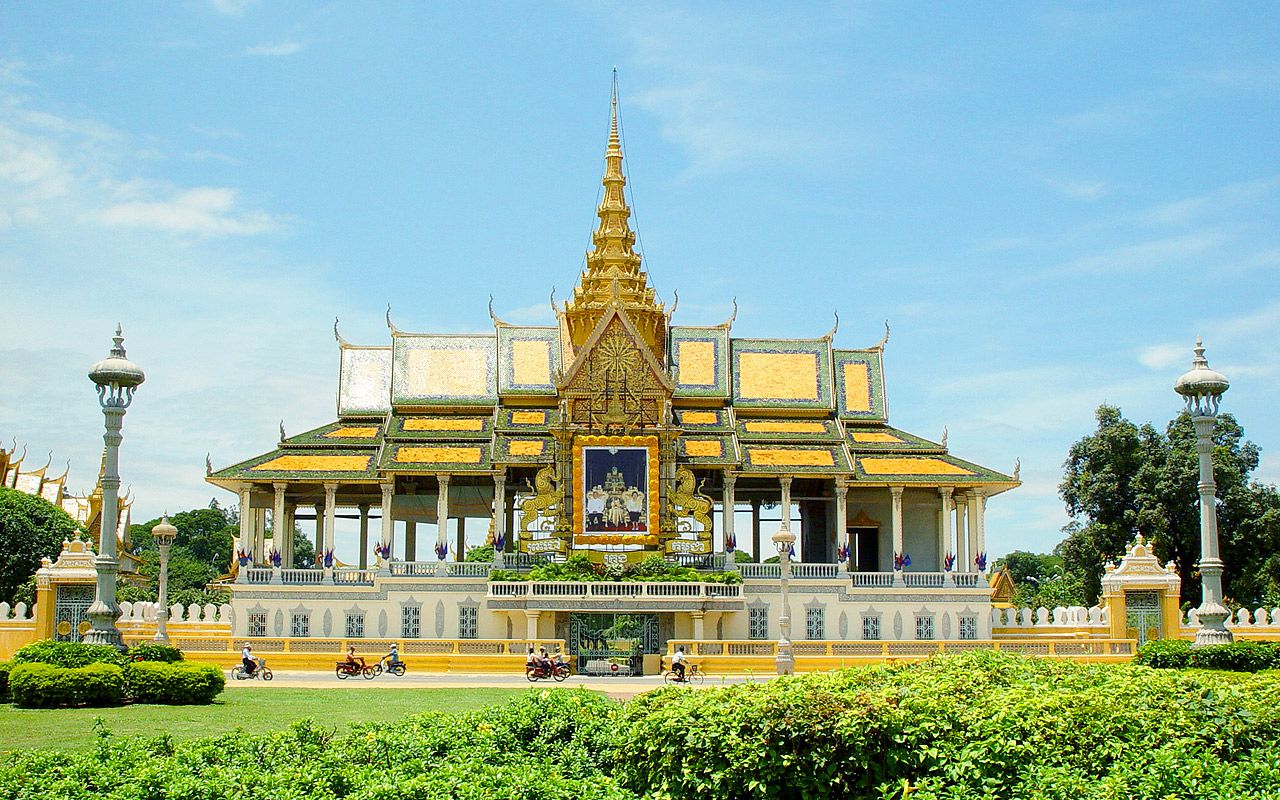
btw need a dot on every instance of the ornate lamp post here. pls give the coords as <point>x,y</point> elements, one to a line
<point>784,539</point>
<point>116,377</point>
<point>1203,389</point>
<point>163,534</point>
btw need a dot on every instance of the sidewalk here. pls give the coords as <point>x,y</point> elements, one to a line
<point>619,688</point>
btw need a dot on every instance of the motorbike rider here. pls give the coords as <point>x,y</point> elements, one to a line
<point>247,660</point>
<point>544,661</point>
<point>677,663</point>
<point>393,657</point>
<point>352,661</point>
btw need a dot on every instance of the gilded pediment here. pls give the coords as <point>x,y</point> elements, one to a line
<point>616,383</point>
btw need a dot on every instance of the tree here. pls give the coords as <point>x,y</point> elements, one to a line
<point>201,551</point>
<point>31,528</point>
<point>1042,580</point>
<point>1123,480</point>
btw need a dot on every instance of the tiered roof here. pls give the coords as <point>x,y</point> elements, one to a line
<point>438,403</point>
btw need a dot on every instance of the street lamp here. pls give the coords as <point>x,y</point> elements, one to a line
<point>1203,389</point>
<point>784,539</point>
<point>163,535</point>
<point>116,377</point>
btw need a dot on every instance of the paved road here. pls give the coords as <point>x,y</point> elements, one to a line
<point>614,687</point>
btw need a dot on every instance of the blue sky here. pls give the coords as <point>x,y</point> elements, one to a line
<point>1046,202</point>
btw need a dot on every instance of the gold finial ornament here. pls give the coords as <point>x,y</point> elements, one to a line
<point>613,274</point>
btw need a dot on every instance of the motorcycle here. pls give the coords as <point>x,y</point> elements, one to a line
<point>558,671</point>
<point>261,671</point>
<point>344,670</point>
<point>396,668</point>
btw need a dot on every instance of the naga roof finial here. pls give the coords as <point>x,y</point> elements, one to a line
<point>341,342</point>
<point>674,304</point>
<point>282,433</point>
<point>553,301</point>
<point>390,324</point>
<point>1017,469</point>
<point>208,465</point>
<point>884,340</point>
<point>497,322</point>
<point>728,323</point>
<point>944,436</point>
<point>831,334</point>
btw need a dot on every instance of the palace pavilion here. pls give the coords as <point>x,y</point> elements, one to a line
<point>616,434</point>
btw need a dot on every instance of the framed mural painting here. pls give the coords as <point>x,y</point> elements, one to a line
<point>616,485</point>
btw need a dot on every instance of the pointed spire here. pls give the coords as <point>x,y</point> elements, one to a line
<point>613,272</point>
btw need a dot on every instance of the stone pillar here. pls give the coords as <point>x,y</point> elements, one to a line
<point>755,529</point>
<point>246,519</point>
<point>319,544</point>
<point>260,536</point>
<point>442,513</point>
<point>944,533</point>
<point>785,505</point>
<point>842,526</point>
<point>278,521</point>
<point>410,529</point>
<point>698,630</point>
<point>531,625</point>
<point>499,518</point>
<point>330,514</point>
<point>962,538</point>
<point>364,536</point>
<point>975,503</point>
<point>730,541</point>
<point>286,556</point>
<point>388,521</point>
<point>1211,613</point>
<point>895,527</point>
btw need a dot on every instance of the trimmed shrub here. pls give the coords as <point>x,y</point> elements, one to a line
<point>4,681</point>
<point>1242,656</point>
<point>1164,654</point>
<point>37,685</point>
<point>181,683</point>
<point>68,654</point>
<point>150,651</point>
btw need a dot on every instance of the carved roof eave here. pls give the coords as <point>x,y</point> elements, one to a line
<point>589,345</point>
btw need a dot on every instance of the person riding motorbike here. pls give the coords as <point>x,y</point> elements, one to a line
<point>247,660</point>
<point>352,660</point>
<point>393,657</point>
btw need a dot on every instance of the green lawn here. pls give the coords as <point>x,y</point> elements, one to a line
<point>252,708</point>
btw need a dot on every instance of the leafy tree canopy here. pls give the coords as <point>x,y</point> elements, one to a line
<point>1126,479</point>
<point>31,528</point>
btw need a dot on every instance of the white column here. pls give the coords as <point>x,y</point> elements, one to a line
<point>726,508</point>
<point>364,536</point>
<point>531,625</point>
<point>698,629</point>
<point>980,524</point>
<point>499,518</point>
<point>246,519</point>
<point>411,529</point>
<point>260,536</point>
<point>388,529</point>
<point>842,525</point>
<point>944,535</point>
<point>975,501</point>
<point>286,553</point>
<point>330,513</point>
<point>278,522</point>
<point>962,538</point>
<point>460,552</point>
<point>895,495</point>
<point>319,542</point>
<point>442,513</point>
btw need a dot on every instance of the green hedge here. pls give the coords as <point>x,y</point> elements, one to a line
<point>36,685</point>
<point>68,654</point>
<point>4,681</point>
<point>1242,656</point>
<point>151,651</point>
<point>1164,654</point>
<point>182,683</point>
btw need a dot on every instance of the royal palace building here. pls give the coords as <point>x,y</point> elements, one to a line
<point>615,435</point>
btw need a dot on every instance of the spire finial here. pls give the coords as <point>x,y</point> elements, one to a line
<point>117,350</point>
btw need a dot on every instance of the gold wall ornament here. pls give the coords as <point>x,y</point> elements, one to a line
<point>546,502</point>
<point>687,503</point>
<point>615,385</point>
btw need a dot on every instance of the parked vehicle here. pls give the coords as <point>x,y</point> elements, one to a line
<point>261,671</point>
<point>346,669</point>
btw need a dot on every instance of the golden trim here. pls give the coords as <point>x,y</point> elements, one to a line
<point>353,432</point>
<point>314,464</point>
<point>444,424</point>
<point>438,455</point>
<point>650,442</point>
<point>873,465</point>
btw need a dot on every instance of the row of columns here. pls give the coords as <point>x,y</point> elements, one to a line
<point>966,541</point>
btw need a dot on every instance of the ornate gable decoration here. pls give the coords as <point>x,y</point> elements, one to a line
<point>616,384</point>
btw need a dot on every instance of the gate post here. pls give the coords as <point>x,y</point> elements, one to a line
<point>1141,571</point>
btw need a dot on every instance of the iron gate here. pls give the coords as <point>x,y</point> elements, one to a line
<point>1142,617</point>
<point>69,612</point>
<point>612,644</point>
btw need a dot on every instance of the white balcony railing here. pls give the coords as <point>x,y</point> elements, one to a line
<point>619,591</point>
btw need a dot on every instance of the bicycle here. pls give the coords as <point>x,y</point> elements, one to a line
<point>692,675</point>
<point>261,672</point>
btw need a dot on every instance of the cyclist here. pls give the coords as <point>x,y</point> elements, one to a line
<point>677,663</point>
<point>247,660</point>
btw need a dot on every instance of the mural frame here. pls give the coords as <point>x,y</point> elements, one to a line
<point>582,444</point>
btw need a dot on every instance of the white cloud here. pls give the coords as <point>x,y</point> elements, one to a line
<point>231,8</point>
<point>204,210</point>
<point>1162,357</point>
<point>285,48</point>
<point>1142,256</point>
<point>1079,189</point>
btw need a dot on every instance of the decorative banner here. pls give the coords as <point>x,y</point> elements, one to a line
<point>615,485</point>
